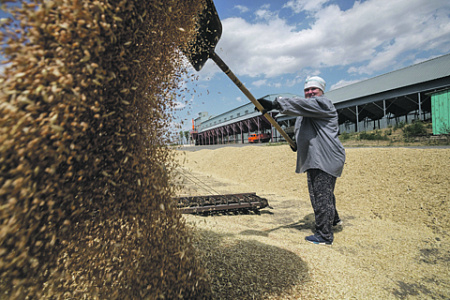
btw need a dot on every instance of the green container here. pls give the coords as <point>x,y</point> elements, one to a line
<point>440,112</point>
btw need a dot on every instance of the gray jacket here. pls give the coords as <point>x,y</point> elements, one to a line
<point>316,134</point>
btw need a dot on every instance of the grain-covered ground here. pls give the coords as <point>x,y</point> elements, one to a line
<point>395,242</point>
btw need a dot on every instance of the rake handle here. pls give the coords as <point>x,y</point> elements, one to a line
<point>222,65</point>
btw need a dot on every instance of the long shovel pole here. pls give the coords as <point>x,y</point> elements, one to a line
<point>249,95</point>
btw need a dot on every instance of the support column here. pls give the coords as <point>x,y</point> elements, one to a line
<point>242,133</point>
<point>241,125</point>
<point>420,106</point>
<point>258,124</point>
<point>271,129</point>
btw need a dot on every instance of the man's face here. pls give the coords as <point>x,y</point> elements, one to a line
<point>313,92</point>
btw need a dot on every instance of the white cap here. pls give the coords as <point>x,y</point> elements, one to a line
<point>315,81</point>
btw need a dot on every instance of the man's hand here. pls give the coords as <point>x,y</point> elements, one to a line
<point>267,105</point>
<point>293,148</point>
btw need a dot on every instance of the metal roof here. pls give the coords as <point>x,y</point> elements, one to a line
<point>208,125</point>
<point>272,97</point>
<point>232,121</point>
<point>432,69</point>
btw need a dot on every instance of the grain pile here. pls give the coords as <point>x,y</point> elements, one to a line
<point>86,207</point>
<point>395,242</point>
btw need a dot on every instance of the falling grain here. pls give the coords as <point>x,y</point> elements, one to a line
<point>83,120</point>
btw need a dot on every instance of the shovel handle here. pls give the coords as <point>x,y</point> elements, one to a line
<point>249,95</point>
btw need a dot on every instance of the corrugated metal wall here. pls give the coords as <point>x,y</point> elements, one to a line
<point>440,106</point>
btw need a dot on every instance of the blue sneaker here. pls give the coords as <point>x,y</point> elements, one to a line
<point>318,240</point>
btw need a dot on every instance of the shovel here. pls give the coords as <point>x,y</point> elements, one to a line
<point>202,48</point>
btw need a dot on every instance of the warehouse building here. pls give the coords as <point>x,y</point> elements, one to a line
<point>417,92</point>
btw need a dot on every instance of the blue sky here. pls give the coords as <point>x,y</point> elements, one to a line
<point>273,45</point>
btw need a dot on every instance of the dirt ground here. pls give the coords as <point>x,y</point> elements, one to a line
<point>394,244</point>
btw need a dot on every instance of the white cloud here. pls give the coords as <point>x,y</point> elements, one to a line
<point>277,84</point>
<point>271,83</point>
<point>264,13</point>
<point>370,36</point>
<point>259,83</point>
<point>305,5</point>
<point>241,8</point>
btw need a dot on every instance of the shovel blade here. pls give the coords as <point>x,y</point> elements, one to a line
<point>209,31</point>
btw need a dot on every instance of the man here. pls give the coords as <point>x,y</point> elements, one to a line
<point>319,152</point>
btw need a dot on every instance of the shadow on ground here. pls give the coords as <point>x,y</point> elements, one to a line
<point>307,223</point>
<point>249,269</point>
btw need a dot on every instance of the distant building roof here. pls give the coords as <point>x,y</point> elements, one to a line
<point>224,118</point>
<point>432,69</point>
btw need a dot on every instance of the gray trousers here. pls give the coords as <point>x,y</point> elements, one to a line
<point>321,192</point>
